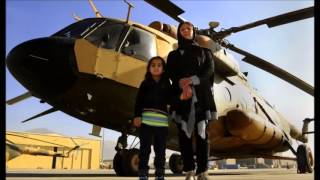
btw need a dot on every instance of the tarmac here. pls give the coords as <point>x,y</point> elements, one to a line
<point>109,174</point>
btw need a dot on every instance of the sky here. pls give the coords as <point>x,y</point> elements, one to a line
<point>290,46</point>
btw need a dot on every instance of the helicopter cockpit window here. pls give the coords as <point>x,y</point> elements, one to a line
<point>139,44</point>
<point>106,36</point>
<point>81,28</point>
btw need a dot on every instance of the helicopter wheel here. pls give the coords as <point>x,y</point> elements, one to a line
<point>130,162</point>
<point>117,162</point>
<point>176,163</point>
<point>304,159</point>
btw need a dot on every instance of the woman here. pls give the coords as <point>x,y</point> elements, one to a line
<point>190,69</point>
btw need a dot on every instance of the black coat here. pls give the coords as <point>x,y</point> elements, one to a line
<point>187,61</point>
<point>153,95</point>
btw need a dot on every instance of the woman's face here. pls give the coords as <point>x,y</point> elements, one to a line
<point>186,30</point>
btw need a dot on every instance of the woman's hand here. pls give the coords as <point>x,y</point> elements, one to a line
<point>184,82</point>
<point>137,121</point>
<point>186,93</point>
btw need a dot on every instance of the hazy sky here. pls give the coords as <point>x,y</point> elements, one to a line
<point>289,46</point>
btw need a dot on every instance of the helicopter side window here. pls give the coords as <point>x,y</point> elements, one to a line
<point>139,44</point>
<point>106,36</point>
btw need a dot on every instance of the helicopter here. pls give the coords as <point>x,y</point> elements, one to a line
<point>14,150</point>
<point>96,59</point>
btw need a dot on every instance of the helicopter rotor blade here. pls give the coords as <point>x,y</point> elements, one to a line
<point>19,98</point>
<point>168,8</point>
<point>270,68</point>
<point>272,21</point>
<point>98,14</point>
<point>51,110</point>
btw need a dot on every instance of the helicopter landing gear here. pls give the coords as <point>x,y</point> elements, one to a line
<point>176,164</point>
<point>117,162</point>
<point>130,162</point>
<point>304,159</point>
<point>126,161</point>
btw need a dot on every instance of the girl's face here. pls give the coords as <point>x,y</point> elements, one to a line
<point>156,67</point>
<point>186,30</point>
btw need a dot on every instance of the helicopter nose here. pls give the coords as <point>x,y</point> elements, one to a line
<point>44,66</point>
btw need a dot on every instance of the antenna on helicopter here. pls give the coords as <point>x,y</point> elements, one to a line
<point>75,17</point>
<point>129,9</point>
<point>98,14</point>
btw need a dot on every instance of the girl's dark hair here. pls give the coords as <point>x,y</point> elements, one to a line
<point>148,75</point>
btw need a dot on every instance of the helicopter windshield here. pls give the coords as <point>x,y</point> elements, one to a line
<point>107,35</point>
<point>101,32</point>
<point>110,34</point>
<point>81,28</point>
<point>139,44</point>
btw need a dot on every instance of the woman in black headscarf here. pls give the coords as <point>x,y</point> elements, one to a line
<point>191,70</point>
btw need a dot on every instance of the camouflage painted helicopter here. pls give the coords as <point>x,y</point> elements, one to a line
<point>102,61</point>
<point>14,150</point>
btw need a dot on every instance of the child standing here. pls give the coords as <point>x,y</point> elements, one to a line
<point>151,115</point>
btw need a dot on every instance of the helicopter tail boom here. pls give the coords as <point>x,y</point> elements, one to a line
<point>301,135</point>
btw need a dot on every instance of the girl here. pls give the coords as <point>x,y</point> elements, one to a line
<point>151,115</point>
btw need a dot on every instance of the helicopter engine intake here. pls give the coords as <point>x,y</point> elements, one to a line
<point>166,28</point>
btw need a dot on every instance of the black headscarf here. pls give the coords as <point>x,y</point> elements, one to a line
<point>184,42</point>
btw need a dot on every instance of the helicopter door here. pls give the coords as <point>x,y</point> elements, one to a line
<point>106,40</point>
<point>136,49</point>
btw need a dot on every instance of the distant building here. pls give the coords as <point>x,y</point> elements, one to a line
<point>254,163</point>
<point>225,163</point>
<point>251,163</point>
<point>87,156</point>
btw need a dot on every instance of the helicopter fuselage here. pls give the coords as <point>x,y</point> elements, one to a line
<point>92,69</point>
